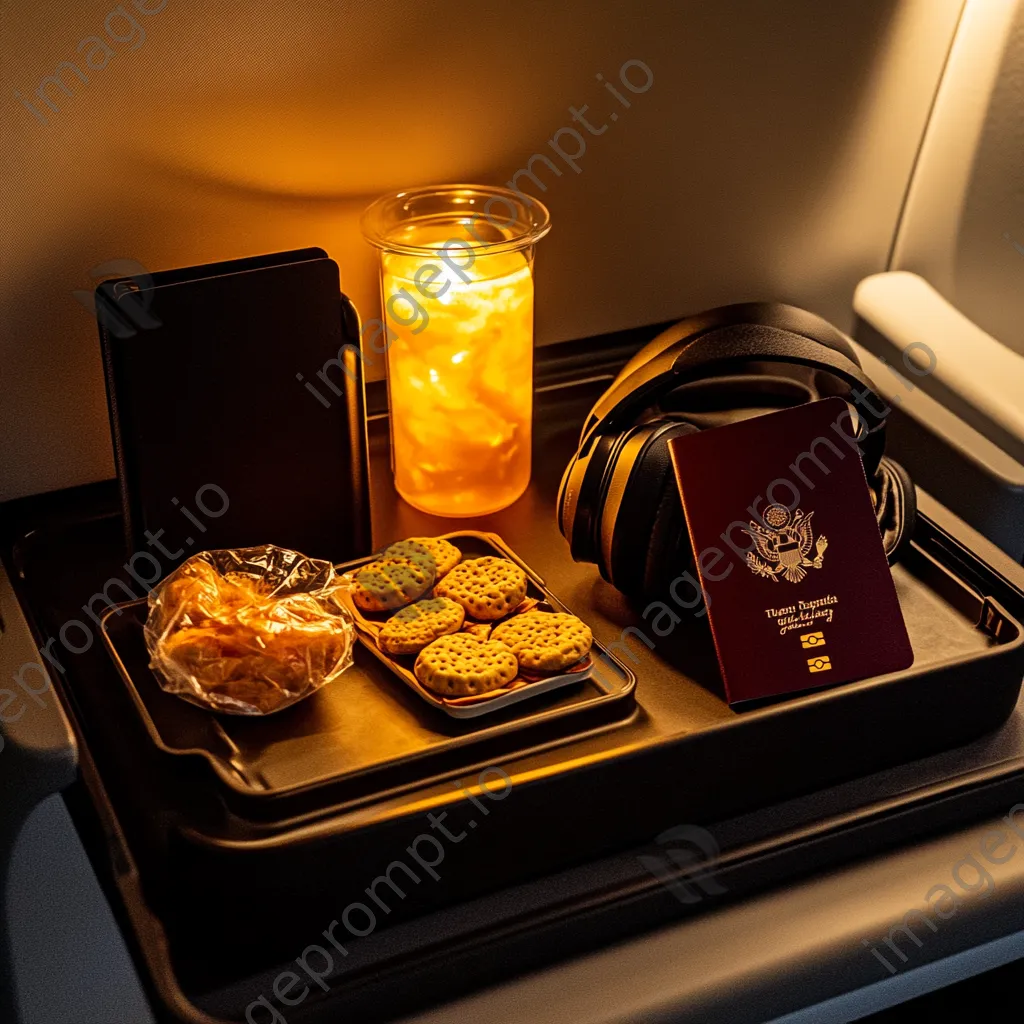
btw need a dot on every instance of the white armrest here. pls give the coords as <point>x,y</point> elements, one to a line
<point>968,363</point>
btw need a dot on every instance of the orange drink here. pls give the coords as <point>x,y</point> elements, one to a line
<point>457,292</point>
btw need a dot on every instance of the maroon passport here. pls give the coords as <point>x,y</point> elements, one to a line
<point>797,587</point>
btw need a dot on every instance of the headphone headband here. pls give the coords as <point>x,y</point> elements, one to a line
<point>725,338</point>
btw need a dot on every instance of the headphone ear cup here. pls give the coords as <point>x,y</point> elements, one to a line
<point>669,551</point>
<point>895,502</point>
<point>645,542</point>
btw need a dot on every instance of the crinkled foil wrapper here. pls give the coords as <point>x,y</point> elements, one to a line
<point>248,631</point>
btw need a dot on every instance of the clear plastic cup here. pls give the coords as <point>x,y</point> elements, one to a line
<point>457,292</point>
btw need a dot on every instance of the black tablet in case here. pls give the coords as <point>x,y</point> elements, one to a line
<point>217,440</point>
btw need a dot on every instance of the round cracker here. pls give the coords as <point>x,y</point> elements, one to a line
<point>488,588</point>
<point>461,665</point>
<point>390,583</point>
<point>545,641</point>
<point>412,628</point>
<point>441,555</point>
<point>413,551</point>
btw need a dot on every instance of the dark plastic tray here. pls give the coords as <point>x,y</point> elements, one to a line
<point>965,680</point>
<point>367,734</point>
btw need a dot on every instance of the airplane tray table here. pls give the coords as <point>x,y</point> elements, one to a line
<point>210,896</point>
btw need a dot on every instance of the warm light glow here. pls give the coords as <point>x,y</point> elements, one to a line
<point>460,376</point>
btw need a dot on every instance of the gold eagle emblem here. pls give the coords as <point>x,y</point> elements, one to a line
<point>784,544</point>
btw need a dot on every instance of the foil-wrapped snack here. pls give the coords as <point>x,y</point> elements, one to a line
<point>248,631</point>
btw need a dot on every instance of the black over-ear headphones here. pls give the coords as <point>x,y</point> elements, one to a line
<point>618,505</point>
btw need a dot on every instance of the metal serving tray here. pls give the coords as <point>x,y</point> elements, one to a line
<point>366,734</point>
<point>474,544</point>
